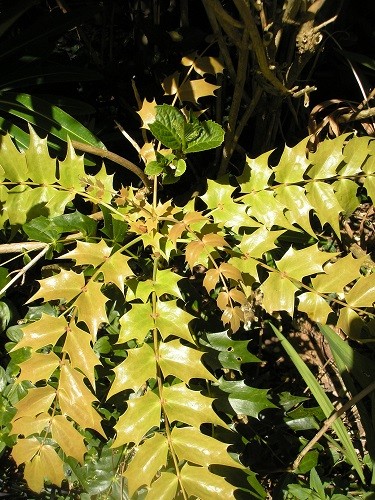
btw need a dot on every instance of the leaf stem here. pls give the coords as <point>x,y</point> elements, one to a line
<point>103,153</point>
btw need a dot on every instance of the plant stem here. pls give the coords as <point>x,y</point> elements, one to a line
<point>327,424</point>
<point>103,153</point>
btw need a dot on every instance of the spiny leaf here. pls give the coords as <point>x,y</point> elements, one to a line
<point>172,320</point>
<point>300,263</point>
<point>76,399</point>
<point>346,194</point>
<point>203,65</point>
<point>164,488</point>
<point>72,170</point>
<point>355,153</point>
<point>182,362</point>
<point>37,400</point>
<point>67,437</point>
<point>65,285</point>
<point>256,174</point>
<point>136,323</point>
<point>42,168</point>
<point>191,407</point>
<point>45,331</point>
<point>351,323</point>
<point>29,425</point>
<point>299,208</point>
<point>224,210</point>
<point>314,306</point>
<point>363,292</point>
<point>100,187</point>
<point>13,163</point>
<point>143,414</point>
<point>39,366</point>
<point>191,445</point>
<point>91,307</point>
<point>45,465</point>
<point>246,400</point>
<point>259,242</point>
<point>322,197</point>
<point>81,354</point>
<point>128,373</point>
<point>338,274</point>
<point>192,90</point>
<point>203,484</point>
<point>232,353</point>
<point>150,457</point>
<point>278,293</point>
<point>92,254</point>
<point>292,164</point>
<point>273,216</point>
<point>147,112</point>
<point>165,284</point>
<point>116,269</point>
<point>327,158</point>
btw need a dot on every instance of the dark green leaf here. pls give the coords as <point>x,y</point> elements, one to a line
<point>232,353</point>
<point>69,223</point>
<point>41,229</point>
<point>211,135</point>
<point>246,400</point>
<point>114,228</point>
<point>309,461</point>
<point>169,126</point>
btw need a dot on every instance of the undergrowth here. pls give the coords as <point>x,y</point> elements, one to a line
<point>125,376</point>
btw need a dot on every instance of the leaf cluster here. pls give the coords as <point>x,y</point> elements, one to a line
<point>114,353</point>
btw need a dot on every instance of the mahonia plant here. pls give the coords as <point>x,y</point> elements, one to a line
<point>112,353</point>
